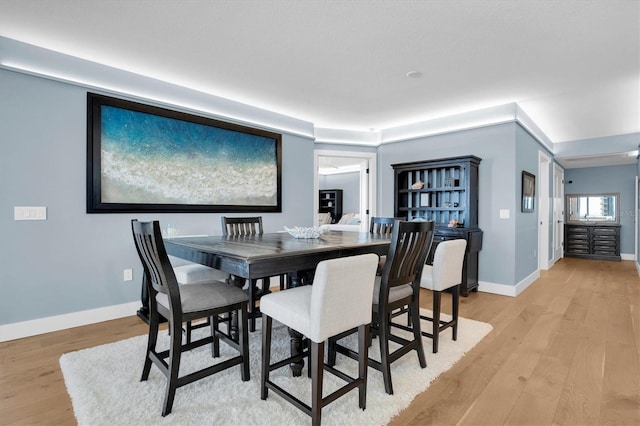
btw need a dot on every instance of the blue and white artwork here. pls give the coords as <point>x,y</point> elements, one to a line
<point>152,159</point>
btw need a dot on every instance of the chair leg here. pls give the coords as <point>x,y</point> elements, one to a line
<point>154,322</point>
<point>331,351</point>
<point>283,282</point>
<point>215,345</point>
<point>175,353</point>
<point>189,330</point>
<point>455,295</point>
<point>317,368</point>
<point>417,334</point>
<point>436,320</point>
<point>383,336</point>
<point>363,363</point>
<point>243,338</point>
<point>266,355</point>
<point>266,286</point>
<point>252,305</point>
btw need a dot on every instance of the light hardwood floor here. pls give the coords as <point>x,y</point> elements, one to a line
<point>565,351</point>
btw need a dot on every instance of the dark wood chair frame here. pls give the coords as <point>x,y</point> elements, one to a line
<point>382,225</point>
<point>160,278</point>
<point>410,244</point>
<point>243,226</point>
<point>314,352</point>
<point>441,324</point>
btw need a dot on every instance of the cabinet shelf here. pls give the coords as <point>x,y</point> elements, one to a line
<point>450,191</point>
<point>330,201</point>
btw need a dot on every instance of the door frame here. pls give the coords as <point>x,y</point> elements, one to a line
<point>544,162</point>
<point>367,182</point>
<point>558,212</point>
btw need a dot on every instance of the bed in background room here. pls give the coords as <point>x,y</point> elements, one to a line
<point>348,222</point>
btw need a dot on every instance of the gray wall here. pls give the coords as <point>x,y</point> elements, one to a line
<point>350,185</point>
<point>498,189</point>
<point>74,261</point>
<point>619,179</point>
<point>526,224</point>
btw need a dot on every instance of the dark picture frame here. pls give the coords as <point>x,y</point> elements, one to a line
<point>528,192</point>
<point>144,158</point>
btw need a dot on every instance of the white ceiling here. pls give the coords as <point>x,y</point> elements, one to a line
<point>573,66</point>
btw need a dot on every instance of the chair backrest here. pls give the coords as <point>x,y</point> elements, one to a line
<point>341,295</point>
<point>410,243</point>
<point>447,264</point>
<point>155,261</point>
<point>241,226</point>
<point>383,225</point>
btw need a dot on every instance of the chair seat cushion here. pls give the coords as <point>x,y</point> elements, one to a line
<point>396,293</point>
<point>290,307</point>
<point>205,296</point>
<point>427,277</point>
<point>194,273</point>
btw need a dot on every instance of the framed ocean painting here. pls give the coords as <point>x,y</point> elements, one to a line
<point>143,158</point>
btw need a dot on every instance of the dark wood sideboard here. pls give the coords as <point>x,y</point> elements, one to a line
<point>592,241</point>
<point>443,190</point>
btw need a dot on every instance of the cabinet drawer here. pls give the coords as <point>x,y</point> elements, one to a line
<point>605,238</point>
<point>578,229</point>
<point>605,231</point>
<point>605,243</point>
<point>606,250</point>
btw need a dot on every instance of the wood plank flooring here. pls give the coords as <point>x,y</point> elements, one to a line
<point>566,351</point>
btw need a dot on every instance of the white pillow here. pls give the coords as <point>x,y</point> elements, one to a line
<point>346,218</point>
<point>324,218</point>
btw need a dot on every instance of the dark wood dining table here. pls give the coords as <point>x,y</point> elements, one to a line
<point>272,254</point>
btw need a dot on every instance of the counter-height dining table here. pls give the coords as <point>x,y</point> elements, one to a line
<point>272,254</point>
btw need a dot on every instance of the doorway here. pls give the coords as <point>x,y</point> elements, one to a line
<point>558,212</point>
<point>362,162</point>
<point>544,163</point>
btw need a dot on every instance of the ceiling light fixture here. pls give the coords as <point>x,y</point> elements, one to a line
<point>414,74</point>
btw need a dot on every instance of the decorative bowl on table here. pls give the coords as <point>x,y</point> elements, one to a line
<point>302,232</point>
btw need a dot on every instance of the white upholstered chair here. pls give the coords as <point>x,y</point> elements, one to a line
<point>340,299</point>
<point>444,274</point>
<point>396,289</point>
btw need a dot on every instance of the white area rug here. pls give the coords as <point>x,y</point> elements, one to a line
<point>105,388</point>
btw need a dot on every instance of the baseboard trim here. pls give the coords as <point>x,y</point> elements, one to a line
<point>29,328</point>
<point>508,290</point>
<point>627,256</point>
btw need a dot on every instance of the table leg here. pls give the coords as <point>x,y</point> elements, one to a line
<point>233,321</point>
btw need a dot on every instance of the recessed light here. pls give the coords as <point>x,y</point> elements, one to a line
<point>414,74</point>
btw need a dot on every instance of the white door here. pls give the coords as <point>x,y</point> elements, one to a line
<point>544,163</point>
<point>558,212</point>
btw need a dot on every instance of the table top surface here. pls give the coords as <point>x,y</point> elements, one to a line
<point>278,245</point>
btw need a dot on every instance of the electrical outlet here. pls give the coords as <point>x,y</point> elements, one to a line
<point>128,275</point>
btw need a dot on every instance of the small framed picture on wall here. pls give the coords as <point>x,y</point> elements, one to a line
<point>528,192</point>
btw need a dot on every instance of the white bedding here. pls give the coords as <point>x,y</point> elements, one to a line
<point>340,227</point>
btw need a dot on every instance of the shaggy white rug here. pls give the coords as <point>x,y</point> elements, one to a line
<point>105,388</point>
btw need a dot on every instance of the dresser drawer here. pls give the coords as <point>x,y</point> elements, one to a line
<point>591,241</point>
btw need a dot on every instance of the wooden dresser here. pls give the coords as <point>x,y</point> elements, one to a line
<point>592,241</point>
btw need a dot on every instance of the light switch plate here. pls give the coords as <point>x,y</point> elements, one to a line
<point>29,213</point>
<point>505,214</point>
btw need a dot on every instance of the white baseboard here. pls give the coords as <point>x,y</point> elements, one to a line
<point>22,329</point>
<point>508,290</point>
<point>627,256</point>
